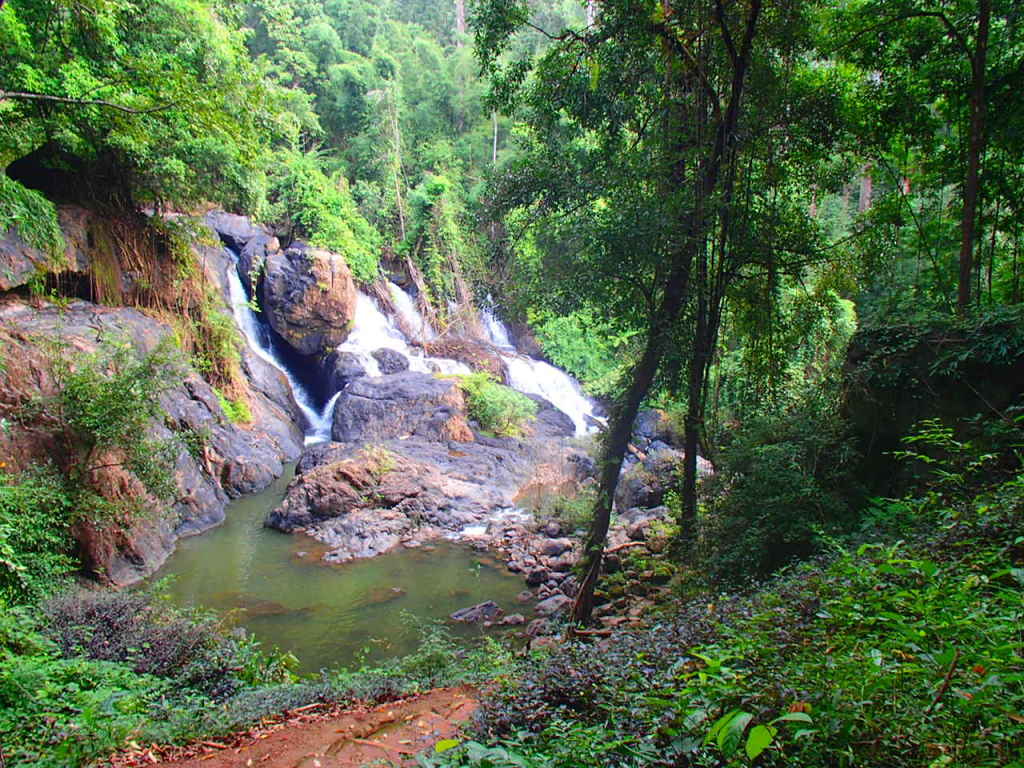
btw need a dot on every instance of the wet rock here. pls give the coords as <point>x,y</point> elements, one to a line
<point>399,405</point>
<point>341,368</point>
<point>563,563</point>
<point>552,528</point>
<point>513,620</point>
<point>390,361</point>
<point>475,614</point>
<point>554,605</point>
<point>525,596</point>
<point>555,547</point>
<point>570,586</point>
<point>537,577</point>
<point>309,298</point>
<point>253,258</point>
<point>550,421</point>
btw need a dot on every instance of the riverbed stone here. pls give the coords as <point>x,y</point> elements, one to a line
<point>553,605</point>
<point>475,614</point>
<point>399,405</point>
<point>390,360</point>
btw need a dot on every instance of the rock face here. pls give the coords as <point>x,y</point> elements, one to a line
<point>478,356</point>
<point>399,405</point>
<point>231,461</point>
<point>341,368</point>
<point>19,261</point>
<point>309,298</point>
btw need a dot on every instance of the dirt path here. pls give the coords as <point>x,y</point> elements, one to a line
<point>387,735</point>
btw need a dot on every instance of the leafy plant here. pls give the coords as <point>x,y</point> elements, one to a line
<point>495,407</point>
<point>237,411</point>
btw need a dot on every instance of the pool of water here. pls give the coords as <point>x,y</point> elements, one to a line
<point>275,586</point>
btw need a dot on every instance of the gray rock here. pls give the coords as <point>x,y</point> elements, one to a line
<point>398,405</point>
<point>537,577</point>
<point>536,627</point>
<point>555,547</point>
<point>554,605</point>
<point>475,614</point>
<point>514,620</point>
<point>342,368</point>
<point>390,361</point>
<point>233,230</point>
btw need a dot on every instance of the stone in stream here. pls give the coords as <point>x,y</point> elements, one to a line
<point>309,298</point>
<point>341,368</point>
<point>475,614</point>
<point>390,361</point>
<point>553,605</point>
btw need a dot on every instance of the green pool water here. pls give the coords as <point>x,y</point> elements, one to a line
<point>275,586</point>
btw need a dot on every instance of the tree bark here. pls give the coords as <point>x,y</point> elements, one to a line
<point>460,20</point>
<point>975,150</point>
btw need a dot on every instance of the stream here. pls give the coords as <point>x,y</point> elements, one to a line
<point>275,586</point>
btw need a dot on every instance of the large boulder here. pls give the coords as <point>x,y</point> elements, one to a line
<point>644,484</point>
<point>400,405</point>
<point>234,231</point>
<point>309,298</point>
<point>341,368</point>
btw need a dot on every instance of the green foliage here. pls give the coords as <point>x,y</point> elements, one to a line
<point>36,512</point>
<point>495,407</point>
<point>150,101</point>
<point>237,411</point>
<point>32,216</point>
<point>107,401</point>
<point>587,348</point>
<point>793,674</point>
<point>780,484</point>
<point>305,202</point>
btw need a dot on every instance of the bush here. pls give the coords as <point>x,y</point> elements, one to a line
<point>237,411</point>
<point>36,513</point>
<point>32,216</point>
<point>108,399</point>
<point>780,484</point>
<point>495,407</point>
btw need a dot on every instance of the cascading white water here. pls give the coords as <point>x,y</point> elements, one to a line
<point>406,306</point>
<point>496,330</point>
<point>319,422</point>
<point>535,377</point>
<point>373,330</point>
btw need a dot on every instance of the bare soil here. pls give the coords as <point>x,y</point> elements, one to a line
<point>387,735</point>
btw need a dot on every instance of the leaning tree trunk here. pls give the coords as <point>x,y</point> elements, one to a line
<point>975,150</point>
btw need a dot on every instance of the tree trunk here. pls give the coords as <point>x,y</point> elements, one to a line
<point>494,146</point>
<point>975,150</point>
<point>620,431</point>
<point>460,20</point>
<point>866,189</point>
<point>591,12</point>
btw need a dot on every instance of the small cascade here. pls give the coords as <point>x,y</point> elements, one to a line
<point>406,307</point>
<point>318,423</point>
<point>373,330</point>
<point>535,377</point>
<point>497,333</point>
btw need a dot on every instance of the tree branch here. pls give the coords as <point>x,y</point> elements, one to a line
<point>27,96</point>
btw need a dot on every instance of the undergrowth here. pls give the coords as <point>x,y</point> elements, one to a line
<point>905,649</point>
<point>496,408</point>
<point>32,216</point>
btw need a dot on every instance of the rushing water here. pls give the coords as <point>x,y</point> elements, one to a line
<point>274,585</point>
<point>318,423</point>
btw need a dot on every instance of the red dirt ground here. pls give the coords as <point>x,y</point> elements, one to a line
<point>388,735</point>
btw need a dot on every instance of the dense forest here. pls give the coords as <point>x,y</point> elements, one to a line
<point>779,246</point>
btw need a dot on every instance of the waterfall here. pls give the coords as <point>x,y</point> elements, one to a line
<point>318,423</point>
<point>406,307</point>
<point>496,330</point>
<point>535,377</point>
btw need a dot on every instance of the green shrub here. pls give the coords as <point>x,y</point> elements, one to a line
<point>780,483</point>
<point>32,216</point>
<point>304,202</point>
<point>237,411</point>
<point>108,399</point>
<point>495,407</point>
<point>36,512</point>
